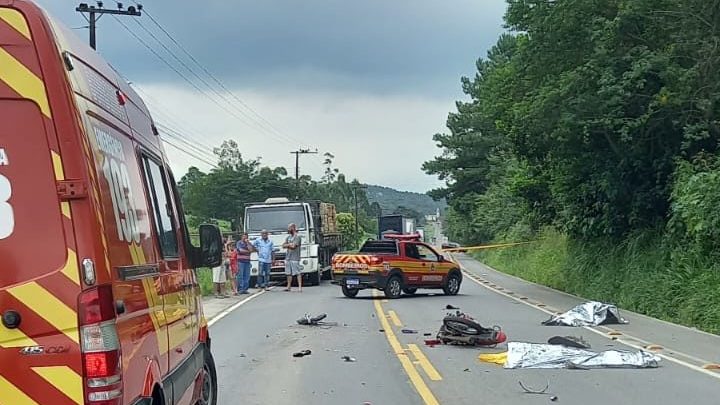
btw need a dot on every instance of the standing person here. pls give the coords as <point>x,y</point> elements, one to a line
<point>292,257</point>
<point>265,250</point>
<point>234,270</point>
<point>231,263</point>
<point>220,278</point>
<point>243,250</point>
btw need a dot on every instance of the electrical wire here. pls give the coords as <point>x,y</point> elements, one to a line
<point>185,151</point>
<point>179,73</point>
<point>265,125</point>
<point>214,78</point>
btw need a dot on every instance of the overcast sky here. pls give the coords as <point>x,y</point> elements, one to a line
<point>369,81</point>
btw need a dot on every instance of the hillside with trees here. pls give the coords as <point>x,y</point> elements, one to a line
<point>592,128</point>
<point>390,200</point>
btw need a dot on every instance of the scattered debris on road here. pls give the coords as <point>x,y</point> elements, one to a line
<point>591,313</point>
<point>535,355</point>
<point>460,328</point>
<point>316,321</point>
<point>302,353</point>
<point>535,391</point>
<point>467,370</point>
<point>349,359</point>
<point>381,330</point>
<point>553,398</point>
<point>448,306</point>
<point>409,331</point>
<point>427,334</point>
<point>569,341</point>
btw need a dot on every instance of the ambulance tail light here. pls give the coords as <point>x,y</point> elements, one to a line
<point>100,346</point>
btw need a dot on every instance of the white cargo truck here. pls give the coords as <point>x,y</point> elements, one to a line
<point>316,225</point>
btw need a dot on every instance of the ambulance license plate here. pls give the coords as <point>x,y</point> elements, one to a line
<point>352,281</point>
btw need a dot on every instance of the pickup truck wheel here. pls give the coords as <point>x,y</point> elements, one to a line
<point>393,288</point>
<point>209,387</point>
<point>350,292</point>
<point>410,290</point>
<point>452,285</point>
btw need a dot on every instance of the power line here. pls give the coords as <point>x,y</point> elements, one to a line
<point>209,86</point>
<point>174,135</point>
<point>179,73</point>
<point>215,79</point>
<point>185,151</point>
<point>263,128</point>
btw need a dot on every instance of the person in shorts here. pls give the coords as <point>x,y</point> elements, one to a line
<point>292,258</point>
<point>220,278</point>
<point>265,250</point>
<point>243,248</point>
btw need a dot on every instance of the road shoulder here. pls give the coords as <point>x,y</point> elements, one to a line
<point>694,346</point>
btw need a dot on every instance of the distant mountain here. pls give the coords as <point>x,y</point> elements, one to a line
<point>390,199</point>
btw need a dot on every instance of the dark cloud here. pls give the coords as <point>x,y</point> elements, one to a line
<point>405,46</point>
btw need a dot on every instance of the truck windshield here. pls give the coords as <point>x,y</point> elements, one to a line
<point>274,218</point>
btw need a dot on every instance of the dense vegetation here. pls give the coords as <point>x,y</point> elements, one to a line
<point>222,193</point>
<point>592,126</point>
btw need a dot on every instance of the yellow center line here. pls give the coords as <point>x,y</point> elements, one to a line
<point>394,318</point>
<point>415,378</point>
<point>431,372</point>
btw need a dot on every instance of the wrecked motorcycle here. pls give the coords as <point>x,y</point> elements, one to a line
<point>460,328</point>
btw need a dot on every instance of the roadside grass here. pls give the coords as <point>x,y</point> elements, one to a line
<point>204,277</point>
<point>642,274</point>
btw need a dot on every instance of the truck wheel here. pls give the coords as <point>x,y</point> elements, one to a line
<point>209,387</point>
<point>452,285</point>
<point>350,292</point>
<point>393,288</point>
<point>326,275</point>
<point>314,278</point>
<point>410,290</point>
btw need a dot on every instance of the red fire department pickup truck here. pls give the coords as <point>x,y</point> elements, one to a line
<point>395,266</point>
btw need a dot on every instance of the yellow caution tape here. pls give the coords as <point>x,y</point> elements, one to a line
<point>464,248</point>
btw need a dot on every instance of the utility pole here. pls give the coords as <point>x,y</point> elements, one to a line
<point>94,14</point>
<point>297,154</point>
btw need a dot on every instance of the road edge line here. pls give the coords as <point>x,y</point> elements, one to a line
<point>233,307</point>
<point>601,333</point>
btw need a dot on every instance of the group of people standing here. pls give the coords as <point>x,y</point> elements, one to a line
<point>236,262</point>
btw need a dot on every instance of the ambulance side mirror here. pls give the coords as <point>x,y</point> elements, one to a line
<point>209,254</point>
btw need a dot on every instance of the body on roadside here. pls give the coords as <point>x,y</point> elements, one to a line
<point>292,258</point>
<point>265,250</point>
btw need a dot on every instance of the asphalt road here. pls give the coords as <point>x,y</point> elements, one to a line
<point>253,347</point>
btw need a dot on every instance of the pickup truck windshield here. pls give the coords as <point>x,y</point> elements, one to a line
<point>274,218</point>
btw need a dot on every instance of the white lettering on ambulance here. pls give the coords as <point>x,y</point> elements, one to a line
<point>116,174</point>
<point>7,216</point>
<point>4,160</point>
